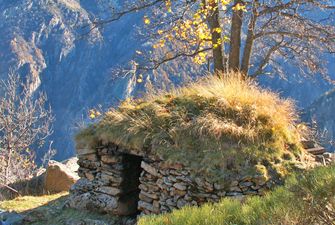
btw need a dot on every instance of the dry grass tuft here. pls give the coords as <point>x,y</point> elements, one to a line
<point>210,125</point>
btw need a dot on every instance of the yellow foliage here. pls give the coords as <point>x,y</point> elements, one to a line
<point>146,20</point>
<point>140,78</point>
<point>195,30</point>
<point>93,113</point>
<point>168,6</point>
<point>239,6</point>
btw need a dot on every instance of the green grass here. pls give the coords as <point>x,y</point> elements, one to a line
<point>49,210</point>
<point>306,198</point>
<point>211,126</point>
<point>24,203</point>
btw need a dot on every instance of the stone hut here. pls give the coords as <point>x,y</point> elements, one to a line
<point>124,182</point>
<point>188,147</point>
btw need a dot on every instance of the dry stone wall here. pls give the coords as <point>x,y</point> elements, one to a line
<point>166,187</point>
<point>109,181</point>
<point>123,183</point>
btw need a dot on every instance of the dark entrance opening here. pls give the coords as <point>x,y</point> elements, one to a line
<point>130,185</point>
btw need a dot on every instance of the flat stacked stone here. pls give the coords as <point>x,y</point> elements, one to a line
<point>167,187</point>
<point>122,182</point>
<point>105,184</point>
<point>89,163</point>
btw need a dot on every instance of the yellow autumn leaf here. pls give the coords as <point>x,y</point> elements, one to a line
<point>225,2</point>
<point>147,20</point>
<point>168,6</point>
<point>92,115</point>
<point>239,6</point>
<point>217,30</point>
<point>161,43</point>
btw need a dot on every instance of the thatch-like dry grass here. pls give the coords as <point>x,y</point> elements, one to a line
<point>210,126</point>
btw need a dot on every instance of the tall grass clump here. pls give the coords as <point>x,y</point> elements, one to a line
<point>218,127</point>
<point>307,198</point>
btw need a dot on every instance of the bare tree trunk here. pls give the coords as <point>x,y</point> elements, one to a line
<point>235,38</point>
<point>9,154</point>
<point>8,165</point>
<point>214,24</point>
<point>249,41</point>
<point>24,121</point>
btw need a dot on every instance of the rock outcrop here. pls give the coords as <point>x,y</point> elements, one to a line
<point>57,177</point>
<point>320,114</point>
<point>43,41</point>
<point>60,177</point>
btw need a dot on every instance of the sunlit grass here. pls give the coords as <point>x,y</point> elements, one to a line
<point>206,126</point>
<point>21,204</point>
<point>50,210</point>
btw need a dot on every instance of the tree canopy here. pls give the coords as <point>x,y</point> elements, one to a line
<point>252,36</point>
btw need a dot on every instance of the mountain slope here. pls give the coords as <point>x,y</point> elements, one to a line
<point>39,40</point>
<point>42,41</point>
<point>321,112</point>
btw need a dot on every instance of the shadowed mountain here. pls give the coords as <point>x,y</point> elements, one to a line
<point>42,40</point>
<point>39,40</point>
<point>321,113</point>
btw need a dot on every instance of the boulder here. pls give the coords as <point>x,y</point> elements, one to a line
<point>72,164</point>
<point>59,177</point>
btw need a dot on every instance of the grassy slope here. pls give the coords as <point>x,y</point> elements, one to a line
<point>208,126</point>
<point>49,210</point>
<point>21,204</point>
<point>307,198</point>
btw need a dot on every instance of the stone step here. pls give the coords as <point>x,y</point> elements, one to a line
<point>316,150</point>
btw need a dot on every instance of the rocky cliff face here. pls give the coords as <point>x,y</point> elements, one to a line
<point>42,40</point>
<point>321,113</point>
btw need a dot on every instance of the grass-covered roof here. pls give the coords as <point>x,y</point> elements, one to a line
<point>211,126</point>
